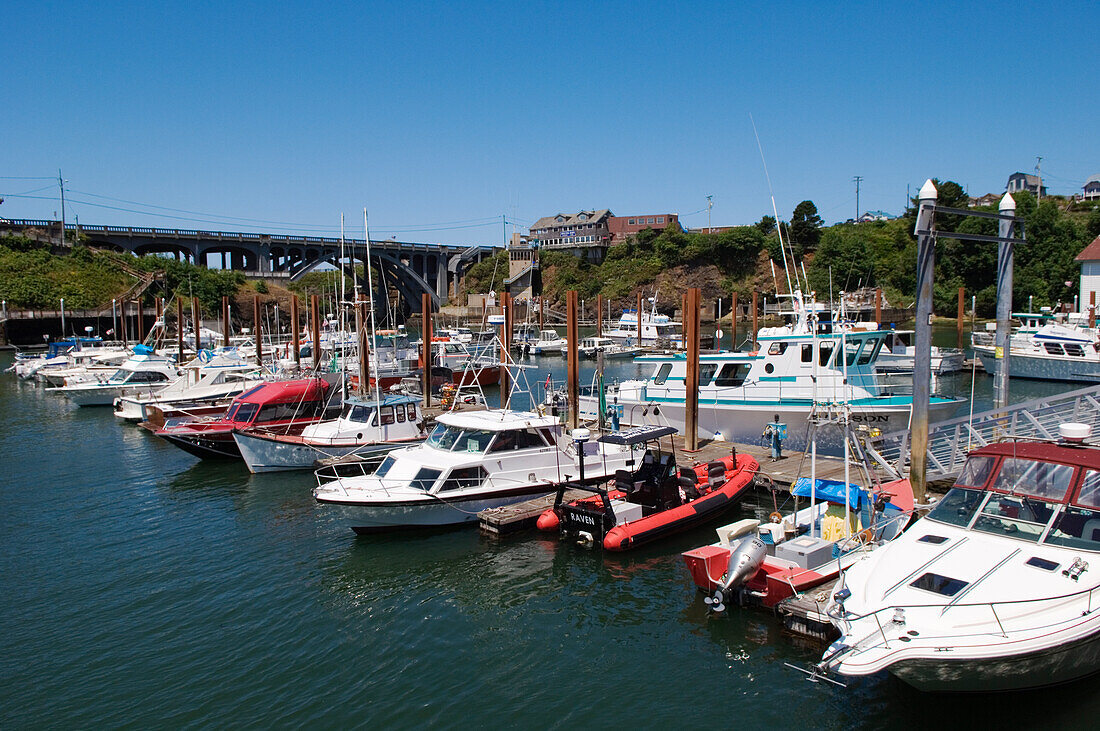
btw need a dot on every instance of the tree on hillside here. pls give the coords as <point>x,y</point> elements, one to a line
<point>736,250</point>
<point>766,225</point>
<point>805,228</point>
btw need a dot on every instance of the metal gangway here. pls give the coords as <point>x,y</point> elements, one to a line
<point>950,441</point>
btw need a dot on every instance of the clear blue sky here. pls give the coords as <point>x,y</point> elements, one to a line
<point>435,113</point>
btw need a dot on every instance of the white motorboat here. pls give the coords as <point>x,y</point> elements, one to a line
<point>995,589</point>
<point>83,366</point>
<point>205,381</point>
<point>470,462</point>
<point>549,343</point>
<point>592,346</point>
<point>1052,352</point>
<point>144,373</point>
<point>368,428</point>
<point>741,393</point>
<point>898,356</point>
<point>657,330</point>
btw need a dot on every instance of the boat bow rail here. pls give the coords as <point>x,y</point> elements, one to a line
<point>950,441</point>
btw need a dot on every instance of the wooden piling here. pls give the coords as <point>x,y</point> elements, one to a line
<point>878,306</point>
<point>691,382</point>
<point>315,328</point>
<point>572,371</point>
<point>599,315</point>
<point>426,348</point>
<point>639,311</point>
<point>506,305</point>
<point>295,332</point>
<point>959,320</point>
<point>196,319</point>
<point>755,315</point>
<point>362,336</point>
<point>225,321</point>
<point>733,325</point>
<point>179,329</point>
<point>257,330</point>
<point>140,321</point>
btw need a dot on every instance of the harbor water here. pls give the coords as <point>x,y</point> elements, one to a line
<point>146,588</point>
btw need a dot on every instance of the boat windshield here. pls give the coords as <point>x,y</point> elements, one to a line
<point>243,413</point>
<point>359,413</point>
<point>1039,479</point>
<point>120,375</point>
<point>1079,525</point>
<point>957,506</point>
<point>456,439</point>
<point>385,466</point>
<point>1015,516</point>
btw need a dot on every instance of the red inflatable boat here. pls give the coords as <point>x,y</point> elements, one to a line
<point>654,501</point>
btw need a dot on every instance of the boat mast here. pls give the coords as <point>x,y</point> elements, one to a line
<point>370,295</point>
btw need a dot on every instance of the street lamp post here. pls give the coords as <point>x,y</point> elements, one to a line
<point>114,319</point>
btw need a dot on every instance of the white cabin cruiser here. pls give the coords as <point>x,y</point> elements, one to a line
<point>470,462</point>
<point>1053,352</point>
<point>369,428</point>
<point>145,373</point>
<point>741,393</point>
<point>899,356</point>
<point>206,380</point>
<point>657,330</point>
<point>997,588</point>
<point>549,343</point>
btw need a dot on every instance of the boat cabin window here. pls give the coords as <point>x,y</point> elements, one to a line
<point>383,468</point>
<point>1074,350</point>
<point>455,439</point>
<point>976,471</point>
<point>851,351</point>
<point>425,479</point>
<point>1040,479</point>
<point>1019,517</point>
<point>732,374</point>
<point>386,415</point>
<point>463,477</point>
<point>410,411</point>
<point>957,506</point>
<point>1053,348</point>
<point>507,441</point>
<point>870,351</point>
<point>706,373</point>
<point>1076,528</point>
<point>662,373</point>
<point>1089,494</point>
<point>285,412</point>
<point>777,349</point>
<point>807,353</point>
<point>243,413</point>
<point>358,413</point>
<point>148,377</point>
<point>824,353</point>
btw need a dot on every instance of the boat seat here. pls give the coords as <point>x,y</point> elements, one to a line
<point>624,481</point>
<point>716,473</point>
<point>727,534</point>
<point>1091,530</point>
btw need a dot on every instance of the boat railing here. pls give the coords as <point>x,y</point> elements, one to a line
<point>950,441</point>
<point>350,468</point>
<point>1086,597</point>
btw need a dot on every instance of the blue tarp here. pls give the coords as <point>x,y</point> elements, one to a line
<point>830,490</point>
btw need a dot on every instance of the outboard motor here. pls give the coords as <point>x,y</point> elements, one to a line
<point>745,560</point>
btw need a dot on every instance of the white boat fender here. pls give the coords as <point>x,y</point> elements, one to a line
<point>745,560</point>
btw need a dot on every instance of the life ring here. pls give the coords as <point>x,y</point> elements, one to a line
<point>204,356</point>
<point>776,517</point>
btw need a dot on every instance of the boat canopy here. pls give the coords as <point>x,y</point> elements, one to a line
<point>638,435</point>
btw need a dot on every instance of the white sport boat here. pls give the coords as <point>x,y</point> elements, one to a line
<point>995,589</point>
<point>741,393</point>
<point>657,330</point>
<point>144,373</point>
<point>898,356</point>
<point>206,380</point>
<point>548,343</point>
<point>593,346</point>
<point>470,462</point>
<point>368,428</point>
<point>1053,352</point>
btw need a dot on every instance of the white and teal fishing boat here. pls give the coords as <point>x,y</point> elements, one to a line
<point>794,368</point>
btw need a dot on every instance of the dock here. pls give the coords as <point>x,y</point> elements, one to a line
<point>784,472</point>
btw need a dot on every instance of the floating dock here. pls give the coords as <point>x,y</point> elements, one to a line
<point>784,472</point>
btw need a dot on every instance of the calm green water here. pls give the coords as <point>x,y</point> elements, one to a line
<point>145,588</point>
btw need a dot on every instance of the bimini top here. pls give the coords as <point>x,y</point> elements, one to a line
<point>1036,470</point>
<point>638,435</point>
<point>285,392</point>
<point>496,420</point>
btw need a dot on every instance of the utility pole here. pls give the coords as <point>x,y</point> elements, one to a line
<point>61,185</point>
<point>1038,169</point>
<point>710,204</point>
<point>857,179</point>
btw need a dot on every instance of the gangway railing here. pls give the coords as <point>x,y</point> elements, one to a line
<point>950,441</point>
